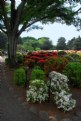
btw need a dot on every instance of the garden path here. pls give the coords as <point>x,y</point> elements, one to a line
<point>12,109</point>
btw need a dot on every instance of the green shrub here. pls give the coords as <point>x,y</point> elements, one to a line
<point>69,58</point>
<point>76,57</point>
<point>73,72</point>
<point>37,82</point>
<point>55,64</point>
<point>37,73</point>
<point>61,53</point>
<point>20,76</point>
<point>19,58</point>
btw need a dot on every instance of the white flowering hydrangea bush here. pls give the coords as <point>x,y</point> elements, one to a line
<point>61,91</point>
<point>38,91</point>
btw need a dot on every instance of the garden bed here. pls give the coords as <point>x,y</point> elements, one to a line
<point>50,107</point>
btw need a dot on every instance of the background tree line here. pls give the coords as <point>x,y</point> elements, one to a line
<point>43,43</point>
<point>73,44</point>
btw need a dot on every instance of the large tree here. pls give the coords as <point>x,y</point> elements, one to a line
<point>61,45</point>
<point>46,44</point>
<point>70,44</point>
<point>77,44</point>
<point>17,17</point>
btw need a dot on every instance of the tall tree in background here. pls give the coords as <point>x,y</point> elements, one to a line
<point>77,44</point>
<point>46,45</point>
<point>70,44</point>
<point>16,18</point>
<point>61,45</point>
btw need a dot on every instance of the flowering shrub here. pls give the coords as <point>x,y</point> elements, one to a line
<point>38,58</point>
<point>29,62</point>
<point>55,64</point>
<point>38,91</point>
<point>60,90</point>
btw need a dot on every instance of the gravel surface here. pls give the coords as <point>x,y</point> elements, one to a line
<point>11,109</point>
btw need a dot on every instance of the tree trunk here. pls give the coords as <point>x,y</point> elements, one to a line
<point>12,46</point>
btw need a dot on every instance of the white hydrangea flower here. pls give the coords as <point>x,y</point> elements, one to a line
<point>60,90</point>
<point>35,94</point>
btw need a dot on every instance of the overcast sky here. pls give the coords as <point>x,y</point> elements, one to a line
<point>54,32</point>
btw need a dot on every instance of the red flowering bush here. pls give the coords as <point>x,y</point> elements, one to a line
<point>55,64</point>
<point>29,62</point>
<point>38,58</point>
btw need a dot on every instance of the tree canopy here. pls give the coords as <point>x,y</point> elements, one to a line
<point>61,45</point>
<point>28,12</point>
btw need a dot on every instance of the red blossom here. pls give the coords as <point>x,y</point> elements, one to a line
<point>41,61</point>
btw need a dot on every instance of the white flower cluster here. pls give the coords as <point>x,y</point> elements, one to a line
<point>60,90</point>
<point>37,92</point>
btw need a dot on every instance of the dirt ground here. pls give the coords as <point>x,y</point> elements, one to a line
<point>50,107</point>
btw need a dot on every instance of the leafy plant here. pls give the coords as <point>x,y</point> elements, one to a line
<point>76,57</point>
<point>55,64</point>
<point>19,58</point>
<point>20,76</point>
<point>73,72</point>
<point>69,58</point>
<point>61,53</point>
<point>37,73</point>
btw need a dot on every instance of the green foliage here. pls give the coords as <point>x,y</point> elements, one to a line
<point>77,44</point>
<point>70,44</point>
<point>30,43</point>
<point>69,58</point>
<point>37,82</point>
<point>61,53</point>
<point>19,58</point>
<point>74,43</point>
<point>37,73</point>
<point>47,45</point>
<point>75,57</point>
<point>73,72</point>
<point>61,45</point>
<point>20,76</point>
<point>37,49</point>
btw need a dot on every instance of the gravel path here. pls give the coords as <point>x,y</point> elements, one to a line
<point>11,109</point>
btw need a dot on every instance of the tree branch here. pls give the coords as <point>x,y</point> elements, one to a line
<point>29,24</point>
<point>77,11</point>
<point>26,26</point>
<point>3,30</point>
